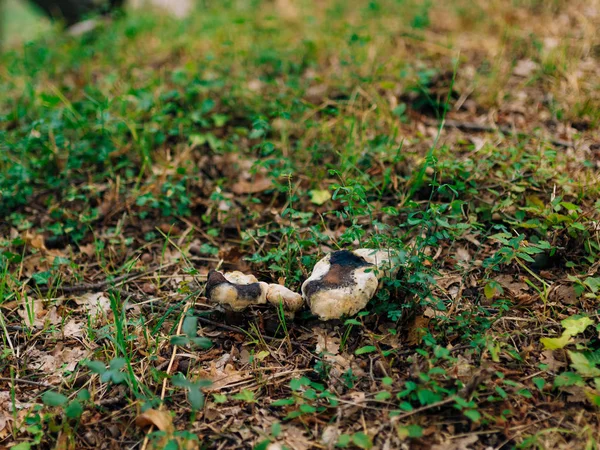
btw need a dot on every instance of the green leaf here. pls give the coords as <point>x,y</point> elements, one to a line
<point>262,445</point>
<point>196,398</point>
<point>319,197</point>
<point>568,379</point>
<point>190,326</point>
<point>383,395</point>
<point>361,440</point>
<point>352,322</point>
<point>74,410</point>
<point>410,431</point>
<point>427,397</point>
<point>283,402</point>
<point>555,343</point>
<point>117,363</point>
<point>387,381</point>
<point>582,365</point>
<point>202,342</point>
<point>593,283</point>
<point>245,395</point>
<point>365,349</point>
<point>405,406</point>
<point>573,326</point>
<point>307,409</point>
<point>297,383</point>
<point>171,445</point>
<point>180,341</point>
<point>96,366</point>
<point>472,414</point>
<point>489,290</point>
<point>539,383</point>
<point>275,429</point>
<point>179,380</point>
<point>22,446</point>
<point>524,393</point>
<point>52,398</point>
<point>219,398</point>
<point>343,440</point>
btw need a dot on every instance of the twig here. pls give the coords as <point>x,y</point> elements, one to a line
<point>22,381</point>
<point>478,127</point>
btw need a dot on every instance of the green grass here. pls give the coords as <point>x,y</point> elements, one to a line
<point>141,155</point>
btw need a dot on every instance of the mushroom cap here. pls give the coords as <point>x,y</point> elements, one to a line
<point>238,277</point>
<point>235,295</point>
<point>341,284</point>
<point>386,261</point>
<point>277,294</point>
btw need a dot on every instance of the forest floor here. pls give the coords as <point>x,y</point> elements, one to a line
<point>258,136</point>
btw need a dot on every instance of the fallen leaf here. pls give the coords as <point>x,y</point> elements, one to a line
<point>326,343</point>
<point>35,315</point>
<point>94,303</point>
<point>563,294</point>
<point>547,357</point>
<point>73,329</point>
<point>319,196</point>
<point>221,377</point>
<point>462,254</point>
<point>160,419</point>
<point>458,444</point>
<point>417,330</point>
<point>260,183</point>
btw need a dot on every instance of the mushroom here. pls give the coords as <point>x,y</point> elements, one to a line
<point>343,282</point>
<point>235,290</point>
<point>291,301</point>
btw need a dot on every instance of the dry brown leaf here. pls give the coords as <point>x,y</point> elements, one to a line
<point>326,343</point>
<point>445,282</point>
<point>458,444</point>
<point>58,361</point>
<point>547,357</point>
<point>563,294</point>
<point>462,254</point>
<point>160,419</point>
<point>259,183</point>
<point>64,442</point>
<point>35,315</point>
<point>417,330</point>
<point>221,376</point>
<point>512,288</point>
<point>73,329</point>
<point>94,303</point>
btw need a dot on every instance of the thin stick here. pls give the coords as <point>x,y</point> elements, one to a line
<point>22,381</point>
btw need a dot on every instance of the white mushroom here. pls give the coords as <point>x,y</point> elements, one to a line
<point>343,282</point>
<point>235,290</point>
<point>291,301</point>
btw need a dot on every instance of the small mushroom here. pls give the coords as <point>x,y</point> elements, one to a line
<point>291,301</point>
<point>235,290</point>
<point>343,282</point>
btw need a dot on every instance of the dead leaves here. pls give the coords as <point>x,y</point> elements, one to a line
<point>163,421</point>
<point>35,315</point>
<point>55,363</point>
